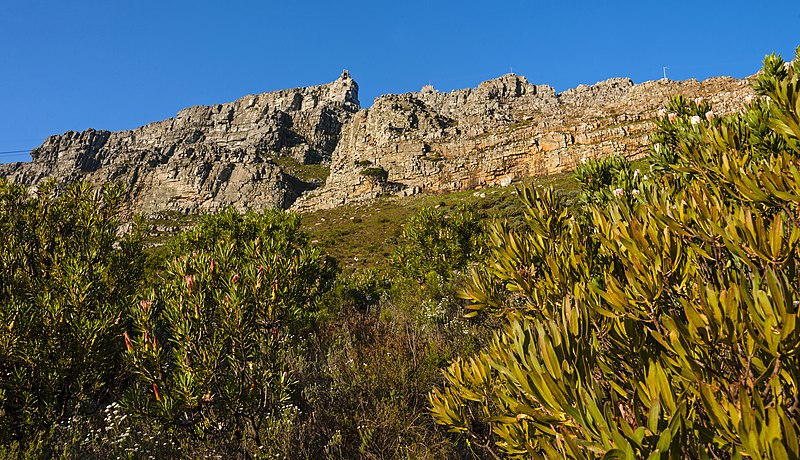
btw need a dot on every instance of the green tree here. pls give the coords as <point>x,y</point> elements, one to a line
<point>664,327</point>
<point>66,277</point>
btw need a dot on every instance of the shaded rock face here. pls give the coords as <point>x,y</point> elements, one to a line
<point>246,153</point>
<point>504,130</point>
<point>210,157</point>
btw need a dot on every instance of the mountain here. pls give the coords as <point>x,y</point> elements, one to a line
<point>312,148</point>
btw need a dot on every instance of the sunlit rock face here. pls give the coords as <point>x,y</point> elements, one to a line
<point>207,158</point>
<point>239,154</point>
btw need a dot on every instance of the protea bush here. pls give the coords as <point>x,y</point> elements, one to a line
<point>212,344</point>
<point>660,327</point>
<point>66,277</point>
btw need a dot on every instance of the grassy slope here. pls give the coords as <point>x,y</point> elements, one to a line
<point>363,235</point>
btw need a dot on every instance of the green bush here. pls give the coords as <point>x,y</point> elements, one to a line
<point>212,345</point>
<point>438,242</point>
<point>376,173</point>
<point>66,278</point>
<point>664,327</point>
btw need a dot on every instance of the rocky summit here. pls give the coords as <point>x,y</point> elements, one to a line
<point>312,148</point>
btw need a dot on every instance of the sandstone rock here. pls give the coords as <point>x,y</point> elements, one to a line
<point>251,153</point>
<point>208,157</point>
<point>506,128</point>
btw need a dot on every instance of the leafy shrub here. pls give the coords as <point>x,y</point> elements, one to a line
<point>212,344</point>
<point>434,241</point>
<point>376,173</point>
<point>661,328</point>
<point>66,278</point>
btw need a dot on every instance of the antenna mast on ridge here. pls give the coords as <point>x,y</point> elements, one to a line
<point>665,73</point>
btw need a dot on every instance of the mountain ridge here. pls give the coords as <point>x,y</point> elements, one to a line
<point>256,152</point>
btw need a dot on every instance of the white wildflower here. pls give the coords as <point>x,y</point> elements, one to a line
<point>672,117</point>
<point>618,192</point>
<point>709,115</point>
<point>698,100</point>
<point>695,120</point>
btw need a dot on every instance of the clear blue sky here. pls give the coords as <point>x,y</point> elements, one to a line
<point>72,65</point>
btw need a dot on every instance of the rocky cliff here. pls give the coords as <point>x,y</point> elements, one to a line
<point>249,153</point>
<point>273,149</point>
<point>501,131</point>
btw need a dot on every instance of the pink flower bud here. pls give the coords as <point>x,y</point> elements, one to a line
<point>235,278</point>
<point>698,100</point>
<point>145,304</point>
<point>672,117</point>
<point>189,281</point>
<point>709,115</point>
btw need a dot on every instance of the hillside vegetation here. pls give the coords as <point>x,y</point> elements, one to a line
<point>625,310</point>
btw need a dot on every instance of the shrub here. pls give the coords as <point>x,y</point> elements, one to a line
<point>662,328</point>
<point>438,242</point>
<point>376,173</point>
<point>66,277</point>
<point>212,344</point>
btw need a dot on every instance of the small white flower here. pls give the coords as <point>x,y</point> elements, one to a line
<point>787,65</point>
<point>698,100</point>
<point>635,192</point>
<point>709,115</point>
<point>672,117</point>
<point>695,120</point>
<point>584,160</point>
<point>618,192</point>
<point>749,99</point>
<point>662,113</point>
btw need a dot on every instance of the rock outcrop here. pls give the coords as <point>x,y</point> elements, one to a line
<point>256,152</point>
<point>502,131</point>
<point>244,153</point>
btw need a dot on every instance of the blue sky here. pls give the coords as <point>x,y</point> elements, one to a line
<point>72,65</point>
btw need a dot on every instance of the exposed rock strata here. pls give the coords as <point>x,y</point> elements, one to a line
<point>504,130</point>
<point>241,153</point>
<point>208,157</point>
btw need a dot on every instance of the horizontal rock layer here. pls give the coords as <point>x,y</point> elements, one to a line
<point>504,130</point>
<point>209,157</point>
<point>249,153</point>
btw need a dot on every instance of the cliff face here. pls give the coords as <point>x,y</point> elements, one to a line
<point>501,131</point>
<point>207,158</point>
<point>250,153</point>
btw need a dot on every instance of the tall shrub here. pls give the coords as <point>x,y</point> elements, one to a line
<point>661,327</point>
<point>66,277</point>
<point>212,344</point>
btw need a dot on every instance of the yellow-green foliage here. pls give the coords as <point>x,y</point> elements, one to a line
<point>66,275</point>
<point>660,323</point>
<point>211,344</point>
